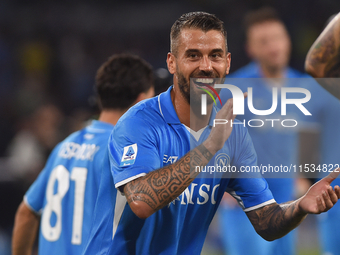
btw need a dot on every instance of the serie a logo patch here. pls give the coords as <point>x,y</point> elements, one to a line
<point>129,155</point>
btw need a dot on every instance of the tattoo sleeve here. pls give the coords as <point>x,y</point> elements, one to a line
<point>323,58</point>
<point>158,188</point>
<point>275,220</point>
<point>326,54</point>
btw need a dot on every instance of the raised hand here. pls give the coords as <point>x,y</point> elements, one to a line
<point>321,196</point>
<point>221,132</point>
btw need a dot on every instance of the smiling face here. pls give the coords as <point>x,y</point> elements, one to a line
<point>269,44</point>
<point>201,55</point>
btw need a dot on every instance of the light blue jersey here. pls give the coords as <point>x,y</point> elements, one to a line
<point>326,112</point>
<point>148,137</point>
<point>66,190</point>
<point>275,145</point>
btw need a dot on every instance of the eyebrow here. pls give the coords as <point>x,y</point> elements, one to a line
<point>218,50</point>
<point>191,51</point>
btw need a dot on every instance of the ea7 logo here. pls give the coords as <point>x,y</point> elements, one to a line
<point>169,159</point>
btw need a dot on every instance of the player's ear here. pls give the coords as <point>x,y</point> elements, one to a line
<point>228,59</point>
<point>171,62</point>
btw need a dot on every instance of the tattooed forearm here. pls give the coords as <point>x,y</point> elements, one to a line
<point>160,187</point>
<point>323,57</point>
<point>274,221</point>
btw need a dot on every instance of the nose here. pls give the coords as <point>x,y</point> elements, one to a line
<point>205,64</point>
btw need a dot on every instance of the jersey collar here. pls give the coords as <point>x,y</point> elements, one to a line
<point>166,108</point>
<point>96,124</point>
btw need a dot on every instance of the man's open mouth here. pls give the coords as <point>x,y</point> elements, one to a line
<point>203,82</point>
<point>207,85</point>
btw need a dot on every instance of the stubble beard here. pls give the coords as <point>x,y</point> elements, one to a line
<point>185,86</point>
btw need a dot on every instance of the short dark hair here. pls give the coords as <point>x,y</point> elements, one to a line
<point>259,16</point>
<point>201,20</point>
<point>121,79</point>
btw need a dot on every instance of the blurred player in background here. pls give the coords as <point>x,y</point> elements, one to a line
<point>65,192</point>
<point>268,45</point>
<point>323,63</point>
<point>153,153</point>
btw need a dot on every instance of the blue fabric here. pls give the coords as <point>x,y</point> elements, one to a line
<point>74,162</point>
<point>326,111</point>
<point>158,139</point>
<point>275,146</point>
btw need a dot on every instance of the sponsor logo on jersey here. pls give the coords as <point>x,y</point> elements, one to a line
<point>169,159</point>
<point>197,194</point>
<point>129,155</point>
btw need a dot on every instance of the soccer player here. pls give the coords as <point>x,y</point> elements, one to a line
<point>167,206</point>
<point>66,190</point>
<point>269,46</point>
<point>322,62</point>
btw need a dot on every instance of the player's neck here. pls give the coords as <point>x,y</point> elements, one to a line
<point>189,116</point>
<point>111,116</point>
<point>269,72</point>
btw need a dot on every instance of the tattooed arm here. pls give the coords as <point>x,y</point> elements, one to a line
<point>276,220</point>
<point>158,188</point>
<point>323,58</point>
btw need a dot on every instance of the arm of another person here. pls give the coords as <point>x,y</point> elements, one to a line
<point>24,231</point>
<point>323,58</point>
<point>276,220</point>
<point>27,219</point>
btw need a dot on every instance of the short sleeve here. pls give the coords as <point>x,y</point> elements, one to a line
<point>35,196</point>
<point>133,150</point>
<point>248,187</point>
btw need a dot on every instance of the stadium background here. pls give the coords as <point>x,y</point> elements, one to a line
<point>49,53</point>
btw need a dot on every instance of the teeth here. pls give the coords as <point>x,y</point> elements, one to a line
<point>205,80</point>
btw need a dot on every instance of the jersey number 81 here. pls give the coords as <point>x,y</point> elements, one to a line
<point>62,175</point>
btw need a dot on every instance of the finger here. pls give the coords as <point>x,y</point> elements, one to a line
<point>230,103</point>
<point>337,191</point>
<point>223,113</point>
<point>332,195</point>
<point>327,200</point>
<point>320,204</point>
<point>245,94</point>
<point>230,112</point>
<point>332,176</point>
